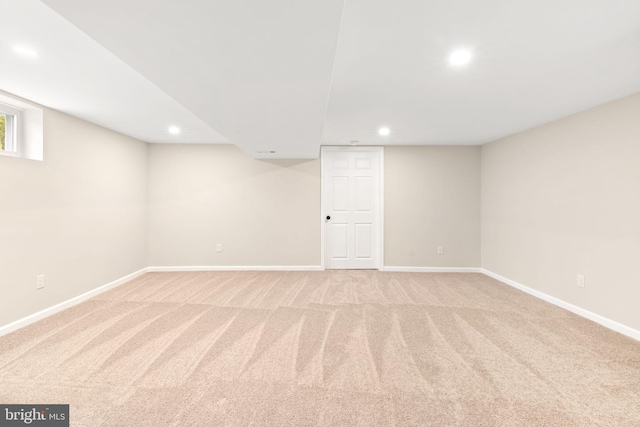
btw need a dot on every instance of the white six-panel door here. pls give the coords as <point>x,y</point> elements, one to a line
<point>351,204</point>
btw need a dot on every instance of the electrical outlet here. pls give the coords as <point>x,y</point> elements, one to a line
<point>40,281</point>
<point>219,247</point>
<point>580,281</point>
<point>440,250</point>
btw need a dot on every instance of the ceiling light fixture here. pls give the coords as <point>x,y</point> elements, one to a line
<point>174,130</point>
<point>25,51</point>
<point>460,57</point>
<point>384,131</point>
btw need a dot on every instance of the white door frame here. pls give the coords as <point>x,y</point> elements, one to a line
<point>323,202</point>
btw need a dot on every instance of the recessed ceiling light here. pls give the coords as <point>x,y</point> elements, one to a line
<point>25,51</point>
<point>384,131</point>
<point>460,57</point>
<point>174,130</point>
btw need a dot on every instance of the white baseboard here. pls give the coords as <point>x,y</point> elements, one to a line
<point>68,303</point>
<point>432,269</point>
<point>607,323</point>
<point>237,268</point>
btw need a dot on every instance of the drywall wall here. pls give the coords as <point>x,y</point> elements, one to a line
<point>78,217</point>
<point>432,198</point>
<point>564,199</point>
<point>267,213</point>
<point>263,213</point>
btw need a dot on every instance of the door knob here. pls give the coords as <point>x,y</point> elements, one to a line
<point>328,217</point>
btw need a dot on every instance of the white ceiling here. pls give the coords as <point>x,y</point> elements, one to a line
<point>533,62</point>
<point>257,71</point>
<point>76,75</point>
<point>286,75</point>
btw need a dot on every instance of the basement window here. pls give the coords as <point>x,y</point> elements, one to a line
<point>8,129</point>
<point>21,129</point>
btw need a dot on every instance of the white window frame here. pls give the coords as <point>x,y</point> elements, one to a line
<point>12,129</point>
<point>27,128</point>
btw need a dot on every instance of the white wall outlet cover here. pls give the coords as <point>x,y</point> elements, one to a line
<point>40,281</point>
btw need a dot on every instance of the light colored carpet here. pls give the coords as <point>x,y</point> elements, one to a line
<point>341,348</point>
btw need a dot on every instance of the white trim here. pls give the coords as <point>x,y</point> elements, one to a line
<point>607,323</point>
<point>28,132</point>
<point>236,268</point>
<point>322,222</point>
<point>381,214</point>
<point>374,148</point>
<point>12,121</point>
<point>68,303</point>
<point>432,269</point>
<point>377,149</point>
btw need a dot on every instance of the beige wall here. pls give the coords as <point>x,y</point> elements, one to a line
<point>264,213</point>
<point>267,213</point>
<point>432,198</point>
<point>556,201</point>
<point>78,217</point>
<point>564,199</point>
